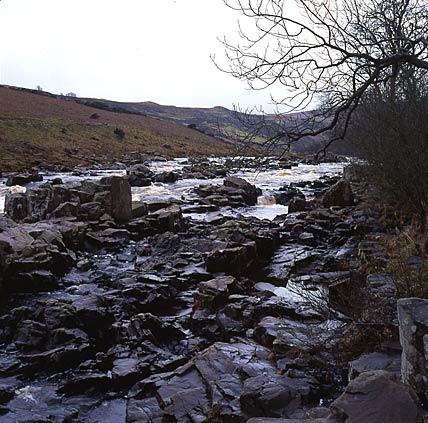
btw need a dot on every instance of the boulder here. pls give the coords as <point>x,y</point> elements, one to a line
<point>16,206</point>
<point>167,219</point>
<point>127,371</point>
<point>89,382</point>
<point>375,361</point>
<point>139,209</point>
<point>166,177</point>
<point>38,199</point>
<point>215,292</point>
<point>58,195</point>
<point>273,396</point>
<point>23,178</point>
<point>56,181</point>
<point>285,335</point>
<point>297,204</point>
<point>139,175</point>
<point>249,192</point>
<point>121,198</point>
<point>234,261</point>
<point>91,211</point>
<point>375,397</point>
<point>340,194</point>
<point>413,324</point>
<point>88,201</point>
<point>286,194</point>
<point>34,281</point>
<point>108,238</point>
<point>66,209</point>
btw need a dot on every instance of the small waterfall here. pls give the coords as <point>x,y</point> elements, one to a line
<point>268,200</point>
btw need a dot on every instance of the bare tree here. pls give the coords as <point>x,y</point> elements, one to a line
<point>329,52</point>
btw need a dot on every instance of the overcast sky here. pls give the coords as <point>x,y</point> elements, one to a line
<point>126,50</point>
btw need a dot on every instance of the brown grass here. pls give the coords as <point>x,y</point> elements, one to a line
<point>36,130</point>
<point>407,261</point>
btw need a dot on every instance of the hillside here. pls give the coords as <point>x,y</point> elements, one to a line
<point>213,121</point>
<point>217,121</point>
<point>41,130</point>
<point>220,121</point>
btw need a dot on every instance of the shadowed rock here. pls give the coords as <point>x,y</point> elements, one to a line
<point>340,194</point>
<point>374,397</point>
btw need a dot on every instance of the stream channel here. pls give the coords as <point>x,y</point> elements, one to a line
<point>129,329</point>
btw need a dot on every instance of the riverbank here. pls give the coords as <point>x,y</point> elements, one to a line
<point>172,308</point>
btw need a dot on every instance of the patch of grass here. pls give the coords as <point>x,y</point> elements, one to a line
<point>27,142</point>
<point>43,131</point>
<point>407,261</point>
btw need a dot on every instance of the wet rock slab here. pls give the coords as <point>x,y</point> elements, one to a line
<point>226,381</point>
<point>374,397</point>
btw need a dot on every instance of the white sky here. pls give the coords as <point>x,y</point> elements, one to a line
<point>125,50</point>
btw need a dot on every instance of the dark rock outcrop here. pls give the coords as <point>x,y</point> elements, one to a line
<point>236,192</point>
<point>23,179</point>
<point>249,192</point>
<point>374,397</point>
<point>288,193</point>
<point>233,374</point>
<point>297,204</point>
<point>139,175</point>
<point>340,194</point>
<point>166,177</point>
<point>413,323</point>
<point>88,200</point>
<point>16,206</point>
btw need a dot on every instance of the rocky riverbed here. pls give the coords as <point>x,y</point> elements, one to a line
<point>199,293</point>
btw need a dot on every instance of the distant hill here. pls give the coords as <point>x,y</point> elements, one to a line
<point>41,129</point>
<point>218,121</point>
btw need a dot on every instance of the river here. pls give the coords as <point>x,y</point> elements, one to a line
<point>268,180</point>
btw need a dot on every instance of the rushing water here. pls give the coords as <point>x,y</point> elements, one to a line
<point>270,181</point>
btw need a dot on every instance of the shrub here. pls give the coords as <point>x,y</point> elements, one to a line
<point>407,261</point>
<point>390,131</point>
<point>120,133</point>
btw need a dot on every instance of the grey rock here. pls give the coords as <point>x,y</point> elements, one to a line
<point>214,293</point>
<point>38,200</point>
<point>121,199</point>
<point>23,179</point>
<point>139,175</point>
<point>273,396</point>
<point>232,261</point>
<point>375,361</point>
<point>250,192</point>
<point>413,325</point>
<point>144,411</point>
<point>166,177</point>
<point>66,209</point>
<point>139,209</point>
<point>127,371</point>
<point>374,397</point>
<point>286,194</point>
<point>298,204</point>
<point>220,370</point>
<point>340,194</point>
<point>16,206</point>
<point>91,211</point>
